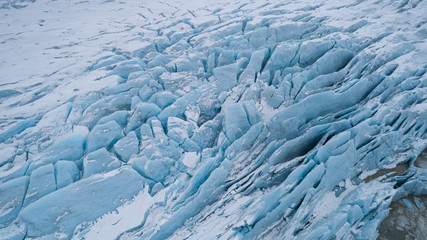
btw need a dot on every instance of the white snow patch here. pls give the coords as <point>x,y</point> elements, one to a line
<point>190,159</point>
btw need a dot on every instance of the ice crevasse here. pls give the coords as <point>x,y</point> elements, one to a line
<point>230,120</point>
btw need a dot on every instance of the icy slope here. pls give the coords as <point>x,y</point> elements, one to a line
<point>225,120</point>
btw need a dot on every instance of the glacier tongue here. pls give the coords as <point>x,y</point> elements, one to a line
<point>211,120</point>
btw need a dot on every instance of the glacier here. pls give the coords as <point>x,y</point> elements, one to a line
<point>230,119</point>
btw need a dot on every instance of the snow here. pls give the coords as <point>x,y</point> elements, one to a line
<point>7,154</point>
<point>210,120</point>
<point>190,159</point>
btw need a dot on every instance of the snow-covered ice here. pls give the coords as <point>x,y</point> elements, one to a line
<point>227,119</point>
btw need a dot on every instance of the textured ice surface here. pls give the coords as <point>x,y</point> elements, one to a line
<point>222,119</point>
<point>85,200</point>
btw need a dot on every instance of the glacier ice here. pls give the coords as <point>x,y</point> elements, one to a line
<point>12,197</point>
<point>178,129</point>
<point>42,182</point>
<point>156,170</point>
<point>14,232</point>
<point>85,200</point>
<point>126,147</point>
<point>213,120</point>
<point>66,172</point>
<point>104,135</point>
<point>99,161</point>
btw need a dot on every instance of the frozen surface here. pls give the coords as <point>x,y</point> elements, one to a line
<point>222,119</point>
